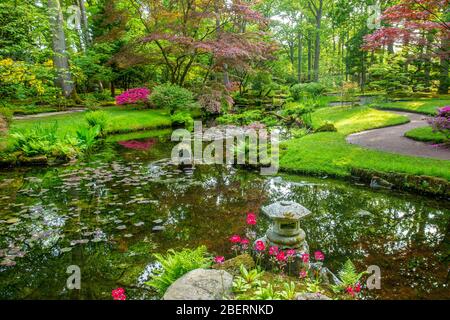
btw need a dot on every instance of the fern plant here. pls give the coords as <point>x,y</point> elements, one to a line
<point>348,276</point>
<point>240,285</point>
<point>251,277</point>
<point>176,264</point>
<point>98,119</point>
<point>87,137</point>
<point>266,293</point>
<point>289,291</point>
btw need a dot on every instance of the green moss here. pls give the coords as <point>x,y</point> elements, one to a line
<point>233,265</point>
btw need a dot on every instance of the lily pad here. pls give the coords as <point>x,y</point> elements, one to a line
<point>12,220</point>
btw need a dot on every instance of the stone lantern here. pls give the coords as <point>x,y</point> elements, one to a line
<point>285,231</point>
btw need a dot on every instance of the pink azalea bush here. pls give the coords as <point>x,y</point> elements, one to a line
<point>441,122</point>
<point>133,96</point>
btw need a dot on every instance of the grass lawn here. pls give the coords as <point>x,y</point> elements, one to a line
<point>328,153</point>
<point>121,120</point>
<point>425,134</point>
<point>354,119</point>
<point>425,106</point>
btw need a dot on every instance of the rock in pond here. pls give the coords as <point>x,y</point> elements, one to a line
<point>201,284</point>
<point>158,228</point>
<point>311,296</point>
<point>380,183</point>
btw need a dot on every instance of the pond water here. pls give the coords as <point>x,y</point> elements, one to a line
<point>100,215</point>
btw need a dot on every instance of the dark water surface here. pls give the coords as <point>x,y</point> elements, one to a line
<point>100,215</point>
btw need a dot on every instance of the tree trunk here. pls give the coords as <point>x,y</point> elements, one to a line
<point>84,24</point>
<point>317,42</point>
<point>113,89</point>
<point>309,57</point>
<point>60,60</point>
<point>300,60</point>
<point>443,76</point>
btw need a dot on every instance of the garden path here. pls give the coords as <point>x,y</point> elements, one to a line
<point>46,114</point>
<point>392,139</point>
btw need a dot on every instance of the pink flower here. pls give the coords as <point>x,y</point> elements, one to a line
<point>273,250</point>
<point>219,259</point>
<point>303,274</point>
<point>118,294</point>
<point>350,291</point>
<point>133,96</point>
<point>357,287</point>
<point>319,256</point>
<point>251,218</point>
<point>260,246</point>
<point>305,258</point>
<point>235,239</point>
<point>281,256</point>
<point>290,253</point>
<point>244,242</point>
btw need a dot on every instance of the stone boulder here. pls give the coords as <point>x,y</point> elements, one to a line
<point>201,284</point>
<point>311,296</point>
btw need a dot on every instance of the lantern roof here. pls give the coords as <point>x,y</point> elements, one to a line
<point>288,210</point>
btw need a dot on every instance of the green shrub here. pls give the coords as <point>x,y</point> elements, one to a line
<point>6,113</point>
<point>172,97</point>
<point>43,141</point>
<point>302,90</point>
<point>176,264</point>
<point>245,118</point>
<point>183,119</point>
<point>98,119</point>
<point>88,137</point>
<point>326,127</point>
<point>295,109</point>
<point>38,140</point>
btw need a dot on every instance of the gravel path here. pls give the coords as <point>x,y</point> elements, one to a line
<point>46,114</point>
<point>392,139</point>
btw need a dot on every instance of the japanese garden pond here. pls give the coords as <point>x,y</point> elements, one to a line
<point>101,214</point>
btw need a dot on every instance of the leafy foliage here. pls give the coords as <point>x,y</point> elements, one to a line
<point>183,118</point>
<point>88,137</point>
<point>99,119</point>
<point>302,90</point>
<point>172,97</point>
<point>43,140</point>
<point>348,276</point>
<point>175,264</point>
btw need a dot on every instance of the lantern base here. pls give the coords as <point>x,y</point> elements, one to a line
<point>296,241</point>
<point>298,244</point>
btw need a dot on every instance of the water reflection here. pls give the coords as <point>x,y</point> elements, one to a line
<point>101,214</point>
